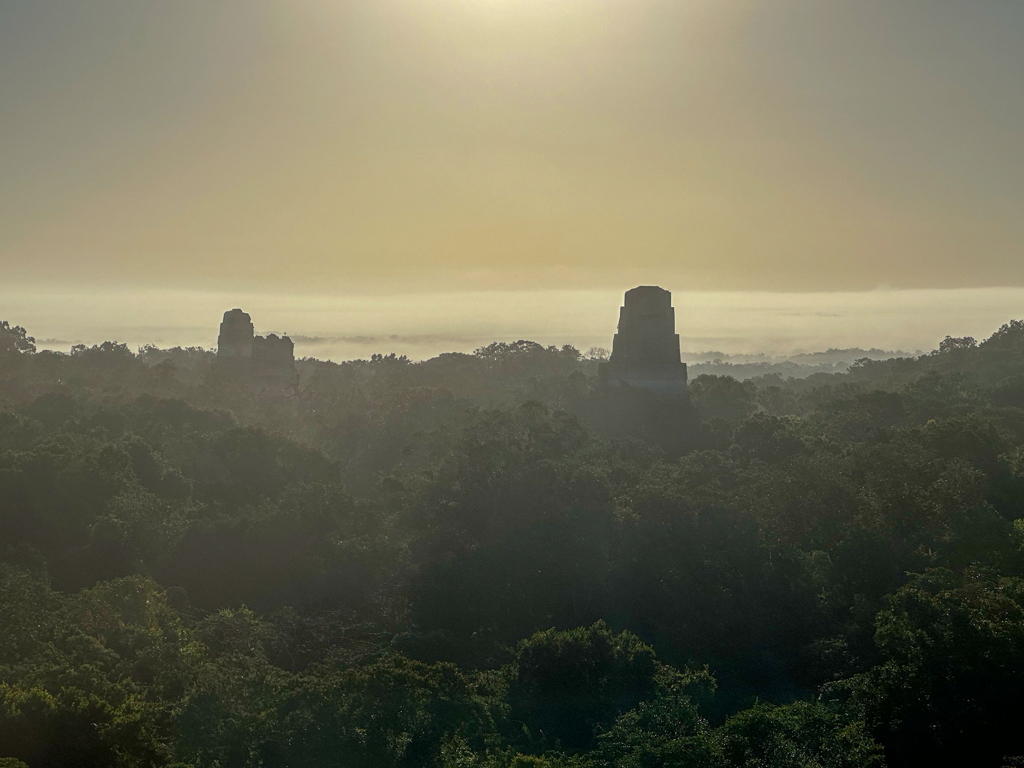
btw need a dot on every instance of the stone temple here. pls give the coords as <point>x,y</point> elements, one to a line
<point>645,351</point>
<point>236,335</point>
<point>264,359</point>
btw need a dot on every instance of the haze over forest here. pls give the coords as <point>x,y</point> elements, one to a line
<point>424,169</point>
<point>511,383</point>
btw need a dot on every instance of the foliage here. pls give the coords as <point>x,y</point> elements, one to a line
<point>800,735</point>
<point>488,561</point>
<point>15,340</point>
<point>567,686</point>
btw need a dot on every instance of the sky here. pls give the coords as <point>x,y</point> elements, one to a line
<point>524,161</point>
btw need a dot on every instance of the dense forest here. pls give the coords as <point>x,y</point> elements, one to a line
<point>489,561</point>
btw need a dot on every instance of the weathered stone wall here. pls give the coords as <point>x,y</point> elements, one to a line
<point>273,348</point>
<point>273,357</point>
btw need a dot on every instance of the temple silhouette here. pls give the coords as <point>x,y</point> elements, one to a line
<point>264,360</point>
<point>645,351</point>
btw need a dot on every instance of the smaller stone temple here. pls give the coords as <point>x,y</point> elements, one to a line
<point>645,351</point>
<point>236,335</point>
<point>265,360</point>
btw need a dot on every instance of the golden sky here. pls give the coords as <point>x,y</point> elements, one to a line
<point>396,146</point>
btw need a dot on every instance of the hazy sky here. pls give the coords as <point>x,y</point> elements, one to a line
<point>364,146</point>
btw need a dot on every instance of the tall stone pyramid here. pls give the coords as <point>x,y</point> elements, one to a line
<point>645,351</point>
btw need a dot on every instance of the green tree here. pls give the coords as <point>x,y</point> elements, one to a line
<point>799,735</point>
<point>722,397</point>
<point>666,731</point>
<point>15,340</point>
<point>566,686</point>
<point>950,677</point>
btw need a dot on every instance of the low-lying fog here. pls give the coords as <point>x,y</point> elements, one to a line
<point>711,325</point>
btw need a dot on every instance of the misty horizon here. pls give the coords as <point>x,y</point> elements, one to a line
<point>511,383</point>
<point>421,326</point>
